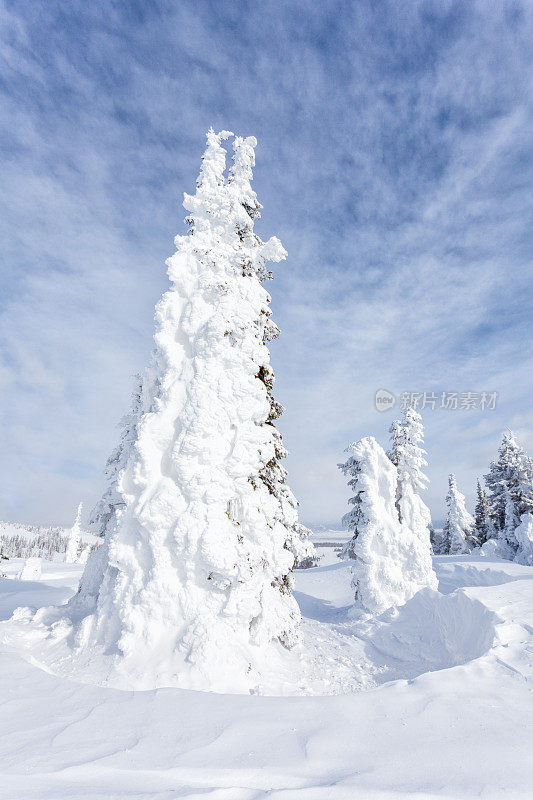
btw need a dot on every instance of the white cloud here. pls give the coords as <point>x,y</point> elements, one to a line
<point>391,163</point>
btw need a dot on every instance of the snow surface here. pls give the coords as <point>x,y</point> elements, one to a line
<point>430,701</point>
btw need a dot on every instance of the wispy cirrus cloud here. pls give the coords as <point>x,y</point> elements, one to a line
<point>394,163</point>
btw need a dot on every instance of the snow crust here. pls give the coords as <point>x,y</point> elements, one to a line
<point>31,570</point>
<point>438,673</point>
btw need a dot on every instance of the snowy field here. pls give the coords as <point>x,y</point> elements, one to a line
<point>431,701</point>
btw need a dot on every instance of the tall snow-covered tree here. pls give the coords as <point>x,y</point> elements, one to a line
<point>407,454</point>
<point>457,534</point>
<point>484,526</point>
<point>509,480</point>
<point>390,560</point>
<point>192,584</point>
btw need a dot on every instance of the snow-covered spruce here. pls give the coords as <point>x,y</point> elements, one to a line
<point>407,454</point>
<point>391,561</point>
<point>484,526</point>
<point>510,489</point>
<point>458,531</point>
<point>192,584</point>
<point>435,537</point>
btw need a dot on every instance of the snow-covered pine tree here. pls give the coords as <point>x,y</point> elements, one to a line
<point>74,539</point>
<point>301,546</point>
<point>112,499</point>
<point>457,534</point>
<point>484,526</point>
<point>407,454</point>
<point>390,561</point>
<point>435,538</point>
<point>192,584</point>
<point>511,473</point>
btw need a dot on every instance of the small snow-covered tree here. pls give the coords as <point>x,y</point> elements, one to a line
<point>74,539</point>
<point>303,549</point>
<point>435,537</point>
<point>511,521</point>
<point>192,584</point>
<point>484,526</point>
<point>407,454</point>
<point>390,561</point>
<point>459,525</point>
<point>509,481</point>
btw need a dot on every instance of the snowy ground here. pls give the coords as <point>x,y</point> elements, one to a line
<point>437,703</point>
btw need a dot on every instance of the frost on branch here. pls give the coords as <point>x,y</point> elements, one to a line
<point>192,584</point>
<point>391,561</point>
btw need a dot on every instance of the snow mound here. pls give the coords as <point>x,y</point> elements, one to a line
<point>432,632</point>
<point>453,576</point>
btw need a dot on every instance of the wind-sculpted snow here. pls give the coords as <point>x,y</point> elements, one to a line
<point>378,738</point>
<point>431,632</point>
<point>454,574</point>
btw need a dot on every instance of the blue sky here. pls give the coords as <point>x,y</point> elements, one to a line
<point>394,163</point>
